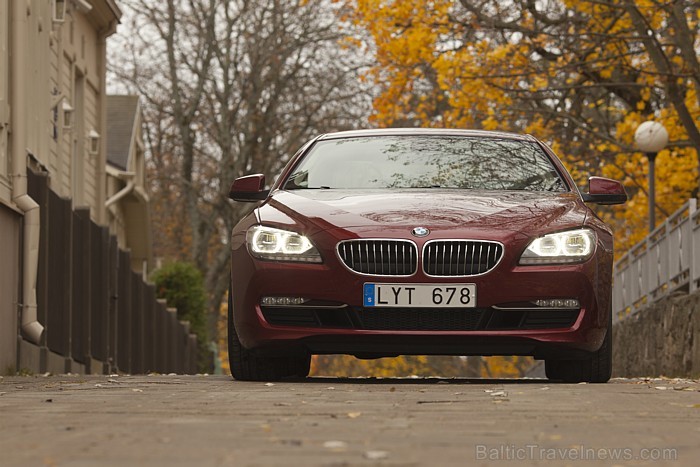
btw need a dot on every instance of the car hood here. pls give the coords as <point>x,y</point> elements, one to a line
<point>526,212</point>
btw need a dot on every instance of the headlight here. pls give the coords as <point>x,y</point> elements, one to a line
<point>572,246</point>
<point>281,245</point>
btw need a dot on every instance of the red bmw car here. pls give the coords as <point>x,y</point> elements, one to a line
<point>395,242</point>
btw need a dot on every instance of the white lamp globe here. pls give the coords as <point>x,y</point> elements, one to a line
<point>651,137</point>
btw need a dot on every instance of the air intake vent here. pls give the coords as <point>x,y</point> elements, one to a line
<point>460,257</point>
<point>380,257</point>
<point>420,319</point>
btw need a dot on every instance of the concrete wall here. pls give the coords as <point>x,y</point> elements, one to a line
<point>663,339</point>
<point>9,287</point>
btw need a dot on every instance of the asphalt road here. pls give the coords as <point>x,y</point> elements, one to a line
<point>212,420</point>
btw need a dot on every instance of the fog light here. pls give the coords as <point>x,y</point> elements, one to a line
<point>558,303</point>
<point>282,301</point>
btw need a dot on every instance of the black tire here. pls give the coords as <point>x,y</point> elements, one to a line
<point>596,369</point>
<point>245,366</point>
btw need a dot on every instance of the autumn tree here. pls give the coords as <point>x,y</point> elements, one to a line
<point>231,87</point>
<point>581,75</point>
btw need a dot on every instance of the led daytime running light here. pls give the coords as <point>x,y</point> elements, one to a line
<point>281,245</point>
<point>572,246</point>
<point>558,303</point>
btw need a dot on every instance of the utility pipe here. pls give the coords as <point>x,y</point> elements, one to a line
<point>31,328</point>
<point>128,177</point>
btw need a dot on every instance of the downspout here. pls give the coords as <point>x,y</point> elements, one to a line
<point>128,177</point>
<point>31,328</point>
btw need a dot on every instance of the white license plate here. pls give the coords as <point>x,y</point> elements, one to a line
<point>420,295</point>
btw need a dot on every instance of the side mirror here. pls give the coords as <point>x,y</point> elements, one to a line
<point>249,188</point>
<point>604,191</point>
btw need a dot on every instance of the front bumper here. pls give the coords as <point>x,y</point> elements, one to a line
<point>343,326</point>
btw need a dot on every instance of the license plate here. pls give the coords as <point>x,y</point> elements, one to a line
<point>420,295</point>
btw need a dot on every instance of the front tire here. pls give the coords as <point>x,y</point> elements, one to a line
<point>245,366</point>
<point>596,369</point>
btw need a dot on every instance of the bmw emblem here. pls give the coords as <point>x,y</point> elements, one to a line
<point>420,231</point>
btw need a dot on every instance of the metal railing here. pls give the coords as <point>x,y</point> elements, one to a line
<point>666,261</point>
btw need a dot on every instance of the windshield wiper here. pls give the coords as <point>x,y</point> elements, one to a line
<point>322,187</point>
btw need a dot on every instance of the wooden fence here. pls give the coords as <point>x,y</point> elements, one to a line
<point>95,309</point>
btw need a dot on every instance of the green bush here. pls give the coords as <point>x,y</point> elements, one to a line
<point>182,285</point>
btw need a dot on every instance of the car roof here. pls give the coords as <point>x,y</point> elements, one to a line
<point>426,132</point>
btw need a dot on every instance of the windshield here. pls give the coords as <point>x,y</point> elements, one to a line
<point>426,162</point>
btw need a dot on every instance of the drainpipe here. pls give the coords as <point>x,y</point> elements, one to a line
<point>128,177</point>
<point>31,328</point>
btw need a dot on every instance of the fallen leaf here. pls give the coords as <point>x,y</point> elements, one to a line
<point>354,414</point>
<point>335,445</point>
<point>375,455</point>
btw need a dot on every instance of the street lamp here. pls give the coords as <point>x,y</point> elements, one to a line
<point>650,138</point>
